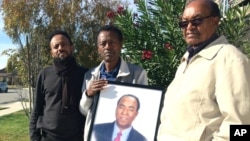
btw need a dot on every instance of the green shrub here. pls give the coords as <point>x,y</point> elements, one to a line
<point>154,41</point>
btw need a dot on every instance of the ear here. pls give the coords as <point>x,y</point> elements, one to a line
<point>51,52</point>
<point>137,113</point>
<point>216,21</point>
<point>99,49</point>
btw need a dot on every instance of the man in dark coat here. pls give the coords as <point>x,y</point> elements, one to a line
<point>56,115</point>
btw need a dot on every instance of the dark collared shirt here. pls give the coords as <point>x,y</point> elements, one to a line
<point>195,49</point>
<point>110,75</point>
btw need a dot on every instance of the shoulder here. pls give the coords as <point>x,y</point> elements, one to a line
<point>137,135</point>
<point>232,51</point>
<point>82,68</point>
<point>103,127</point>
<point>229,50</point>
<point>93,69</point>
<point>46,70</point>
<point>229,54</point>
<point>224,51</point>
<point>89,72</point>
<point>134,66</point>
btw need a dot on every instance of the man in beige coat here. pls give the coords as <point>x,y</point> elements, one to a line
<point>211,88</point>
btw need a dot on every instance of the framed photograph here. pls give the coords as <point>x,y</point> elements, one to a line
<point>126,111</point>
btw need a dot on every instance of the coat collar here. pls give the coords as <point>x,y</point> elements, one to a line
<point>123,71</point>
<point>211,50</point>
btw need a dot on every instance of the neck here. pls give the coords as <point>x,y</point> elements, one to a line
<point>212,38</point>
<point>109,66</point>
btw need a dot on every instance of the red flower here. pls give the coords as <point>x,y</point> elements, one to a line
<point>120,10</point>
<point>146,54</point>
<point>111,14</point>
<point>168,46</point>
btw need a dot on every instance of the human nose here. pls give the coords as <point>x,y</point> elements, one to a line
<point>125,111</point>
<point>190,26</point>
<point>108,45</point>
<point>60,47</point>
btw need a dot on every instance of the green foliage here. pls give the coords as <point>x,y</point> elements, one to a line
<point>28,24</point>
<point>153,39</point>
<point>235,25</point>
<point>14,127</point>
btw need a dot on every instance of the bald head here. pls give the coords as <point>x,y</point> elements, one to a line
<point>210,5</point>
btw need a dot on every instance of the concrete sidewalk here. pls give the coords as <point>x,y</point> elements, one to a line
<point>11,107</point>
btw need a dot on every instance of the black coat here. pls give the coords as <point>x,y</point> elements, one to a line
<point>47,115</point>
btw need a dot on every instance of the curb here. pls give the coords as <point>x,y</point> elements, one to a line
<point>11,107</point>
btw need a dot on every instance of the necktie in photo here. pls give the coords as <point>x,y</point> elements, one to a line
<point>118,137</point>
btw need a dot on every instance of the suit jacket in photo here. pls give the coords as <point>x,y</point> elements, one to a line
<point>104,132</point>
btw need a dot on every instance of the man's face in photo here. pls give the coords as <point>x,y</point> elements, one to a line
<point>126,111</point>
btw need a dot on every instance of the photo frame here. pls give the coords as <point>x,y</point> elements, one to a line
<point>146,121</point>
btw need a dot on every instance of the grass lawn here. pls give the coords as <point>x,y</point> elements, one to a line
<point>14,127</point>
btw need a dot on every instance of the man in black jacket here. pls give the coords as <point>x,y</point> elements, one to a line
<point>56,116</point>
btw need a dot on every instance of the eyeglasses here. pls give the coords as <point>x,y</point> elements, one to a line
<point>194,22</point>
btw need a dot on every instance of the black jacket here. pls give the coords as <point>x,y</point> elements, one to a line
<point>47,114</point>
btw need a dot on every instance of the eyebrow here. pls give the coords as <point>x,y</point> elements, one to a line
<point>130,106</point>
<point>193,17</point>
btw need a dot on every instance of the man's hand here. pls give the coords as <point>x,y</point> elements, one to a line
<point>95,86</point>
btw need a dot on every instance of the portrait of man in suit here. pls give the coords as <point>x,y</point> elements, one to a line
<point>121,129</point>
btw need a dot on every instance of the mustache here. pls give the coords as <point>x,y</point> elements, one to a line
<point>192,33</point>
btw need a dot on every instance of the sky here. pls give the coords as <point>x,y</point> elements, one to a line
<point>6,43</point>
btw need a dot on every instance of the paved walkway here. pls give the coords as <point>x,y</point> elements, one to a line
<point>11,108</point>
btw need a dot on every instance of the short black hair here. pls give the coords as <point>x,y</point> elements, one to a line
<point>112,28</point>
<point>61,32</point>
<point>130,95</point>
<point>213,7</point>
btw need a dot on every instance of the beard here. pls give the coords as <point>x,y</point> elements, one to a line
<point>62,59</point>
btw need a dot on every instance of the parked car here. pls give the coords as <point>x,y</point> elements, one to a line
<point>3,87</point>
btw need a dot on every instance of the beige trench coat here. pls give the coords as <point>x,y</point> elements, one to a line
<point>207,95</point>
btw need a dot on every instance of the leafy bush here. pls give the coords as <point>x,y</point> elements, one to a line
<point>235,25</point>
<point>154,41</point>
